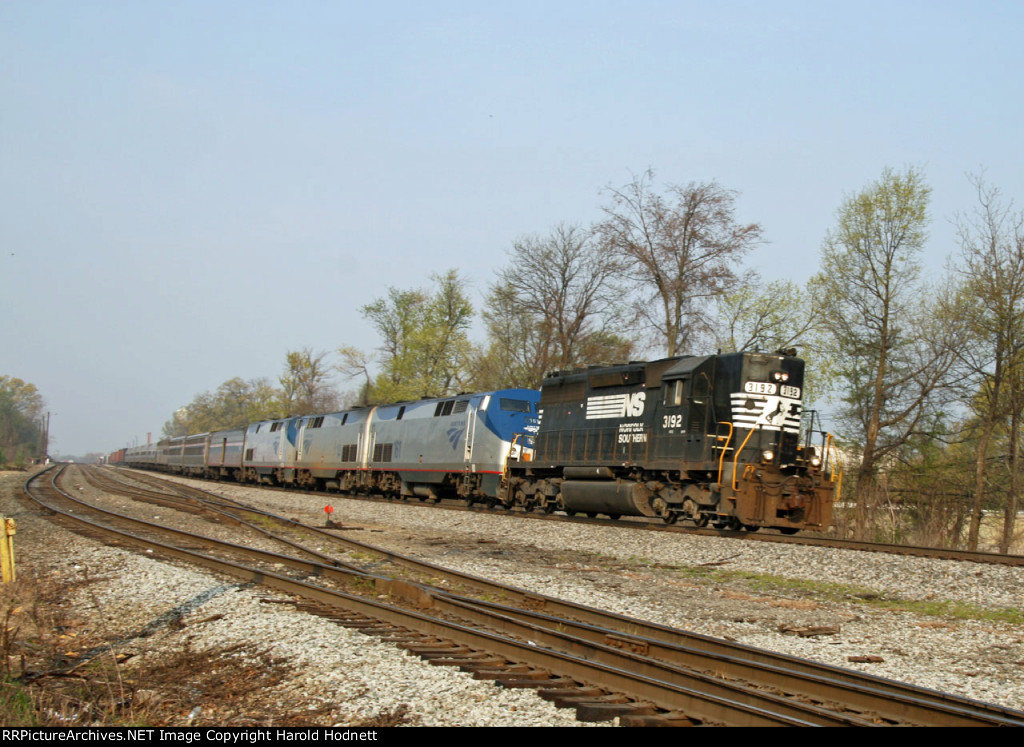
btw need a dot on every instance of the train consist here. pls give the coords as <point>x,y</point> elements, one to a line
<point>717,439</point>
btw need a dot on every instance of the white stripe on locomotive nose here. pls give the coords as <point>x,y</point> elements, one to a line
<point>752,410</point>
<point>616,406</point>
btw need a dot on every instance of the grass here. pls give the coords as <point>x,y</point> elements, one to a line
<point>819,591</point>
<point>765,583</point>
<point>44,683</point>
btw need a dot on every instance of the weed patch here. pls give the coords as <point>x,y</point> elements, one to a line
<point>819,591</point>
<point>57,672</point>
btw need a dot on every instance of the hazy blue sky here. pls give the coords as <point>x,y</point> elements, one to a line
<point>190,189</point>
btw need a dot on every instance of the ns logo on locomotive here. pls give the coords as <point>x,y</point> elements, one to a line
<point>710,439</point>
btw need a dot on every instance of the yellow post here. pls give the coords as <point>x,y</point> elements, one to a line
<point>7,549</point>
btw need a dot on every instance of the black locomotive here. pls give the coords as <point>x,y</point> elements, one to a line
<point>714,438</point>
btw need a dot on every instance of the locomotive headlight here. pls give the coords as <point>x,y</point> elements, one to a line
<point>812,456</point>
<point>767,455</point>
<point>780,376</point>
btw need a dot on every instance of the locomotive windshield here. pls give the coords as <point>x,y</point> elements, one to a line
<point>516,405</point>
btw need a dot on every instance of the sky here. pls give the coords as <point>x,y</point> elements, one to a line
<point>189,190</point>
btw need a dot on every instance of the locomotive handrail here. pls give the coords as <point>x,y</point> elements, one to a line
<point>736,459</point>
<point>832,457</point>
<point>724,448</point>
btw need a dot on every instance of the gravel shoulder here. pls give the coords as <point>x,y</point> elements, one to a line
<point>304,669</point>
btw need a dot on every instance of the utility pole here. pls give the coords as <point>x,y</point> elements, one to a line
<point>46,437</point>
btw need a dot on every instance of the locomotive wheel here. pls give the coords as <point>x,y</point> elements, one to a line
<point>751,527</point>
<point>670,518</point>
<point>788,530</point>
<point>701,520</point>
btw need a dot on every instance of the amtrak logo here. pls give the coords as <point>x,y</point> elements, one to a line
<point>454,436</point>
<point>616,406</point>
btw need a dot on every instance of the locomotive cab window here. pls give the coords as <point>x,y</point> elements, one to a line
<point>515,405</point>
<point>674,392</point>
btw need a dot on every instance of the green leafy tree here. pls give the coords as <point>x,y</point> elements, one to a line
<point>306,386</point>
<point>776,316</point>
<point>425,350</point>
<point>889,353</point>
<point>21,411</point>
<point>234,404</point>
<point>23,395</point>
<point>765,317</point>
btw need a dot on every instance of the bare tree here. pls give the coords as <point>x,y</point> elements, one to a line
<point>992,359</point>
<point>515,354</point>
<point>355,363</point>
<point>682,250</point>
<point>555,305</point>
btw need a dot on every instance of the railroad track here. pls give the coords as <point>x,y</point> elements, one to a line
<point>605,665</point>
<point>656,525</point>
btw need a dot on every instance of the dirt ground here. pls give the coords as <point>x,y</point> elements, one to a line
<point>61,669</point>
